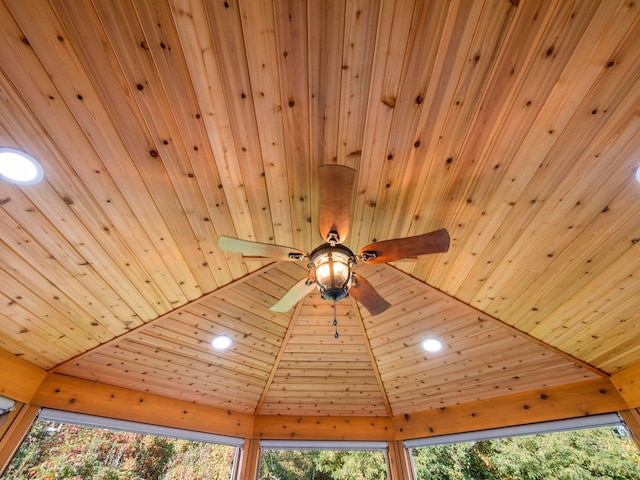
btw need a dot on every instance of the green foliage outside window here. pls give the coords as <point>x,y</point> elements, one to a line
<point>54,451</point>
<point>322,465</point>
<point>603,453</point>
<point>64,451</point>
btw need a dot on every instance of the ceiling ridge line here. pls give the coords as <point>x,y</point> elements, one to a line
<point>502,323</point>
<point>372,359</point>
<point>276,362</point>
<point>165,315</point>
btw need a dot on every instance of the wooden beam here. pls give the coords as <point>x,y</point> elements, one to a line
<point>372,357</point>
<point>399,462</point>
<point>19,379</point>
<point>249,460</point>
<point>82,396</point>
<point>14,434</point>
<point>281,427</point>
<point>568,401</point>
<point>276,362</point>
<point>627,382</point>
<point>631,419</point>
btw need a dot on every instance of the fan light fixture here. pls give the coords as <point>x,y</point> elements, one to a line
<point>332,266</point>
<point>19,168</point>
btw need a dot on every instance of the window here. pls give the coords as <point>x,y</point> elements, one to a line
<point>527,453</point>
<point>61,445</point>
<point>323,461</point>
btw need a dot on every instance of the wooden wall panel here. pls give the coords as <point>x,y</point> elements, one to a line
<point>555,403</point>
<point>19,380</point>
<point>627,382</point>
<point>81,396</point>
<point>323,428</point>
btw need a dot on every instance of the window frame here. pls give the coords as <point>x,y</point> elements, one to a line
<point>47,414</point>
<point>579,423</point>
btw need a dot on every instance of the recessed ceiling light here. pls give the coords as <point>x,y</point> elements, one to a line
<point>19,167</point>
<point>432,345</point>
<point>638,174</point>
<point>221,342</point>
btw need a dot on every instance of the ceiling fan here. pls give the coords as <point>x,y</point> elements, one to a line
<point>331,264</point>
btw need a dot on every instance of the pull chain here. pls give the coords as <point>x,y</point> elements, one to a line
<point>335,319</point>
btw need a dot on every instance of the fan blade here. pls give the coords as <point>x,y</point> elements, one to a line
<point>294,295</point>
<point>401,248</point>
<point>364,292</point>
<point>256,249</point>
<point>336,190</point>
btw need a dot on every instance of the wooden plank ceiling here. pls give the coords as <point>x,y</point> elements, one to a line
<point>162,125</point>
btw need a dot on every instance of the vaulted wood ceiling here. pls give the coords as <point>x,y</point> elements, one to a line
<point>162,125</point>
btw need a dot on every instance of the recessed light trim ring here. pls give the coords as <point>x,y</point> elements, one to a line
<point>19,168</point>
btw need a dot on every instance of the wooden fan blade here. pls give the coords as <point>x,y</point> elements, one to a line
<point>336,191</point>
<point>364,292</point>
<point>294,295</point>
<point>401,248</point>
<point>256,249</point>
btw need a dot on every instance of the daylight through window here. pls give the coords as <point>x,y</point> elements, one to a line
<point>586,453</point>
<point>56,449</point>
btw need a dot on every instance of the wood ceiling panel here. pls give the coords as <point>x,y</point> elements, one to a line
<point>293,53</point>
<point>230,55</point>
<point>172,356</point>
<point>163,97</point>
<point>162,125</point>
<point>419,57</point>
<point>447,111</point>
<point>572,211</point>
<point>348,386</point>
<point>258,27</point>
<point>481,358</point>
<point>391,37</point>
<point>487,156</point>
<point>99,129</point>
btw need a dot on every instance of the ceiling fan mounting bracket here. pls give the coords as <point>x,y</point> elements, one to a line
<point>333,238</point>
<point>368,255</point>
